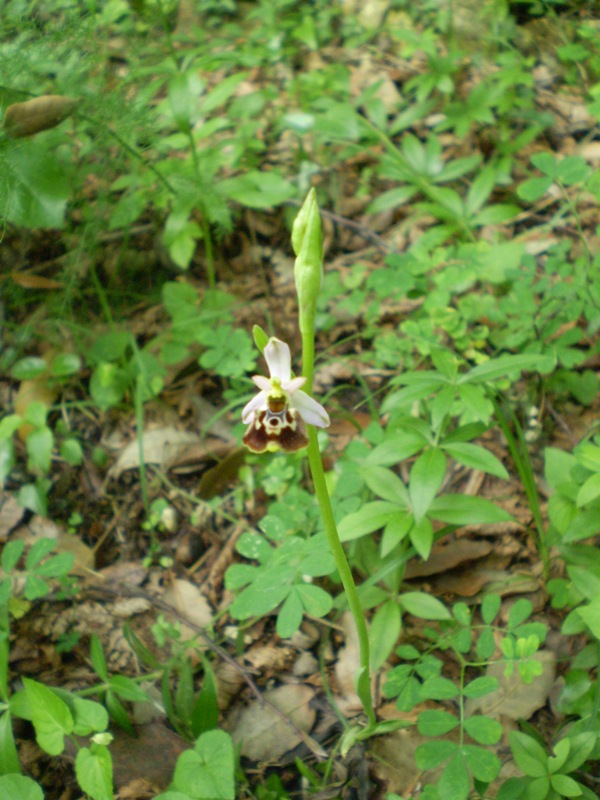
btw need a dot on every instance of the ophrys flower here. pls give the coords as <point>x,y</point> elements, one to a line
<point>276,417</point>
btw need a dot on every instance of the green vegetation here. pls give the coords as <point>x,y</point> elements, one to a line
<point>153,157</point>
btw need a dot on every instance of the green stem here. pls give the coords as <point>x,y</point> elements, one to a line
<point>363,682</point>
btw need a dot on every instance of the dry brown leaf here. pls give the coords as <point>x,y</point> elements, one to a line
<point>38,391</point>
<point>513,698</point>
<point>347,665</point>
<point>11,513</point>
<point>263,734</point>
<point>167,447</point>
<point>447,555</point>
<point>28,281</point>
<point>39,114</point>
<point>190,604</point>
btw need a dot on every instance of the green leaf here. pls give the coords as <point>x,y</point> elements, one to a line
<point>33,497</point>
<point>88,716</point>
<point>436,722</point>
<point>56,566</point>
<point>316,601</point>
<point>39,450</point>
<point>93,768</point>
<point>207,771</point>
<point>454,782</point>
<point>438,689</point>
<point>490,606</point>
<point>127,689</point>
<point>506,365</point>
<point>476,457</point>
<point>222,92</point>
<point>184,89</point>
<point>520,611</point>
<point>546,162</point>
<point>426,477</point>
<point>423,605</point>
<point>421,537</point>
<point>371,517</point>
<point>71,451</point>
<point>65,364</point>
<point>11,553</point>
<point>484,765</point>
<point>590,614</point>
<point>479,687</point>
<point>290,614</point>
<point>261,190</point>
<point>9,757</point>
<point>263,596</point>
<point>391,199</point>
<point>50,715</point>
<point>37,187</point>
<point>35,587</point>
<point>38,551</point>
<point>529,756</point>
<point>384,632</point>
<point>483,729</point>
<point>565,786</point>
<point>431,754</point>
<point>205,714</point>
<point>561,751</point>
<point>18,787</point>
<point>538,788</point>
<point>396,448</point>
<point>533,188</point>
<point>386,484</point>
<point>397,529</point>
<point>480,190</point>
<point>118,713</point>
<point>464,509</point>
<point>582,746</point>
<point>28,368</point>
<point>589,491</point>
<point>97,658</point>
<point>572,169</point>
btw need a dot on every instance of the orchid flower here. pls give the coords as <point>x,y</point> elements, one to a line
<point>276,417</point>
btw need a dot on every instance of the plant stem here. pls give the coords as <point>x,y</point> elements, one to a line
<point>363,681</point>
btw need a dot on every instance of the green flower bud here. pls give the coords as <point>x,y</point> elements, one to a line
<point>307,241</point>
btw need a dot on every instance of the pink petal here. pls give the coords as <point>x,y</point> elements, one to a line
<point>311,412</point>
<point>258,403</point>
<point>279,360</point>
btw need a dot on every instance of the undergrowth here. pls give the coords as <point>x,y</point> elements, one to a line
<point>139,148</point>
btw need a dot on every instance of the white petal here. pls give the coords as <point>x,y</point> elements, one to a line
<point>279,360</point>
<point>311,412</point>
<point>264,384</point>
<point>258,403</point>
<point>293,385</point>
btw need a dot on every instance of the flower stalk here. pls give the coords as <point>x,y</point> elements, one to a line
<point>307,243</point>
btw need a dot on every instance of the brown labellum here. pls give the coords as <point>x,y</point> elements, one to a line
<point>276,428</point>
<point>39,114</point>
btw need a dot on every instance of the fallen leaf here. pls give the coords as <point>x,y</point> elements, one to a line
<point>347,665</point>
<point>513,698</point>
<point>263,734</point>
<point>167,447</point>
<point>190,604</point>
<point>446,555</point>
<point>28,281</point>
<point>39,114</point>
<point>11,513</point>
